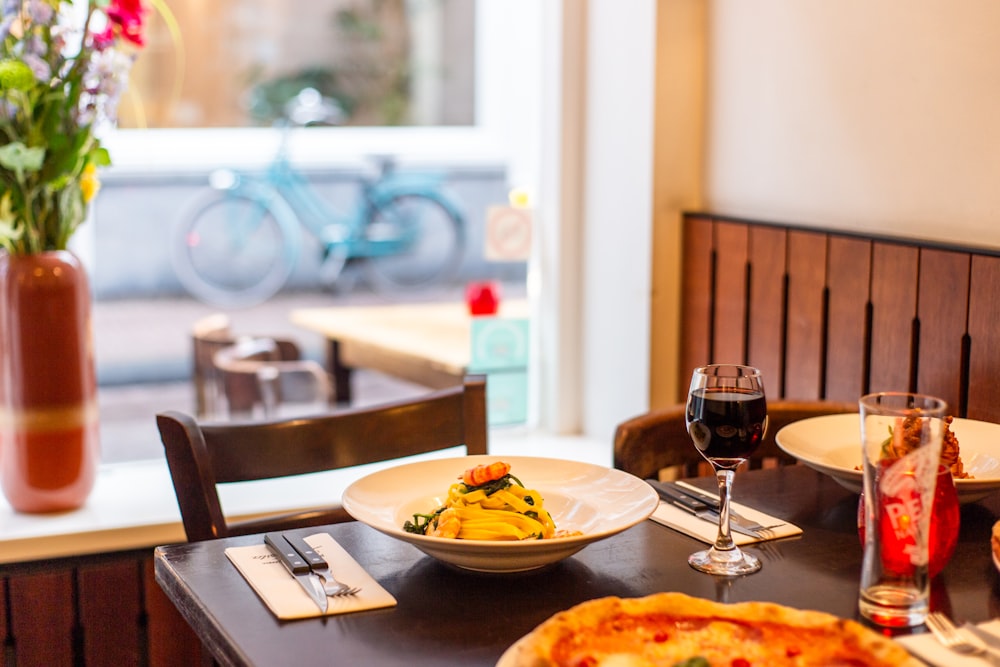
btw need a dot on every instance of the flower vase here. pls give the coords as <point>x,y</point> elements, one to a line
<point>49,446</point>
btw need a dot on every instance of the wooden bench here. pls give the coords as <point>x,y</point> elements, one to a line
<point>833,315</point>
<point>828,316</point>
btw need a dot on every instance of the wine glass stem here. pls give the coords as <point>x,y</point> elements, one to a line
<point>724,541</point>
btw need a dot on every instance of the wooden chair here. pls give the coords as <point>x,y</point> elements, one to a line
<point>202,456</point>
<point>658,440</point>
<point>208,336</point>
<point>256,382</point>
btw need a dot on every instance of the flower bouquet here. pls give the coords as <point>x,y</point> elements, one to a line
<point>63,68</point>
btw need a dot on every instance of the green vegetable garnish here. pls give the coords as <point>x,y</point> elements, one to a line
<point>697,661</point>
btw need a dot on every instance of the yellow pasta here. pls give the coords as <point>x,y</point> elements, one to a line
<point>499,508</point>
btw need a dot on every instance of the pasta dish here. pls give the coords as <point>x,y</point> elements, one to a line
<point>488,504</point>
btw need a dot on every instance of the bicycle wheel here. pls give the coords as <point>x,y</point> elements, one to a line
<point>233,250</point>
<point>432,242</point>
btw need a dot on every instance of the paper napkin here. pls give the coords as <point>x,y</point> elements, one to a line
<point>930,650</point>
<point>282,593</point>
<point>706,531</point>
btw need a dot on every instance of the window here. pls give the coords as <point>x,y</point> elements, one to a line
<point>236,63</point>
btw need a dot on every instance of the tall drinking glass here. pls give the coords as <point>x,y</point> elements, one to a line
<point>901,438</point>
<point>726,419</point>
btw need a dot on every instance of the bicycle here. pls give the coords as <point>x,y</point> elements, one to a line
<point>238,245</point>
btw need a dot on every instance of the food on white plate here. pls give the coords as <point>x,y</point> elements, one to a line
<point>489,503</point>
<point>906,437</point>
<point>676,630</point>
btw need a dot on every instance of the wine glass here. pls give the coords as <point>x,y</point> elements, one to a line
<point>726,418</point>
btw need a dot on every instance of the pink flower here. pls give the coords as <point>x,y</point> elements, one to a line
<point>124,21</point>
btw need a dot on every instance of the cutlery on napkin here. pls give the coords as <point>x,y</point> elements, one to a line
<point>706,530</point>
<point>285,597</point>
<point>925,647</point>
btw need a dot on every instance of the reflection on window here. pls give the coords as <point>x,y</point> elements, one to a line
<point>236,62</point>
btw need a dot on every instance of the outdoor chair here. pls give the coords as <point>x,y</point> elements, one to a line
<point>255,382</point>
<point>202,456</point>
<point>208,336</point>
<point>657,444</point>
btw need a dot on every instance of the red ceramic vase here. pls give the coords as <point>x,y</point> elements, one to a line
<point>943,538</point>
<point>48,392</point>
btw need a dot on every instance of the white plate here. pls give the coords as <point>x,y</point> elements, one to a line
<point>598,501</point>
<point>832,445</point>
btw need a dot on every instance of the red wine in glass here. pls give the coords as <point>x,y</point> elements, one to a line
<point>726,424</point>
<point>726,419</point>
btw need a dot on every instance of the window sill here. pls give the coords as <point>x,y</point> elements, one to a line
<point>177,151</point>
<point>133,504</point>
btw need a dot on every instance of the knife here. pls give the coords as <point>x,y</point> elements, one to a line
<point>317,564</point>
<point>706,498</point>
<point>700,509</point>
<point>297,567</point>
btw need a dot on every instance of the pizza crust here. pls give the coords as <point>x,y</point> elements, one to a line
<point>995,541</point>
<point>662,629</point>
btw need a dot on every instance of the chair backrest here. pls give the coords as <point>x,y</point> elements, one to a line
<point>658,440</point>
<point>255,382</point>
<point>201,456</point>
<point>209,335</point>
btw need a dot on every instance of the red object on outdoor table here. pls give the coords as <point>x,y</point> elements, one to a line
<point>943,536</point>
<point>483,298</point>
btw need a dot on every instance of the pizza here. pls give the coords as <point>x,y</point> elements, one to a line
<point>675,630</point>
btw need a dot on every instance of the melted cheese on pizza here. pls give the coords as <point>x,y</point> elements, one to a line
<point>667,629</point>
<point>661,639</point>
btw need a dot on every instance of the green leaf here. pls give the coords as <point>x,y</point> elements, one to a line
<point>15,75</point>
<point>19,158</point>
<point>9,231</point>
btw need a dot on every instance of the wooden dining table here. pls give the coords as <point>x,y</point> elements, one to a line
<point>449,616</point>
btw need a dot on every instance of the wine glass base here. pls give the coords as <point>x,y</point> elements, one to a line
<point>731,563</point>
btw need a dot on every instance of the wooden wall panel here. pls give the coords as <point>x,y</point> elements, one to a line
<point>730,313</point>
<point>92,610</point>
<point>894,310</point>
<point>848,277</point>
<point>765,339</point>
<point>841,314</point>
<point>804,351</point>
<point>696,298</point>
<point>3,623</point>
<point>943,314</point>
<point>984,334</point>
<point>42,618</point>
<point>171,639</point>
<point>107,593</point>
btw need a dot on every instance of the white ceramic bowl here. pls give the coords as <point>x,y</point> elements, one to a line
<point>598,501</point>
<point>832,445</point>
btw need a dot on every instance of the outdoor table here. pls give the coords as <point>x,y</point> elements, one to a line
<point>449,616</point>
<point>425,343</point>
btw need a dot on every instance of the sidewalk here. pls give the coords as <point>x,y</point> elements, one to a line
<point>143,358</point>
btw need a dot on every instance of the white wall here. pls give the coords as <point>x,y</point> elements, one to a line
<point>618,202</point>
<point>878,116</point>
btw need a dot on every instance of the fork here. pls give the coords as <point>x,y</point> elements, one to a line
<point>331,586</point>
<point>957,639</point>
